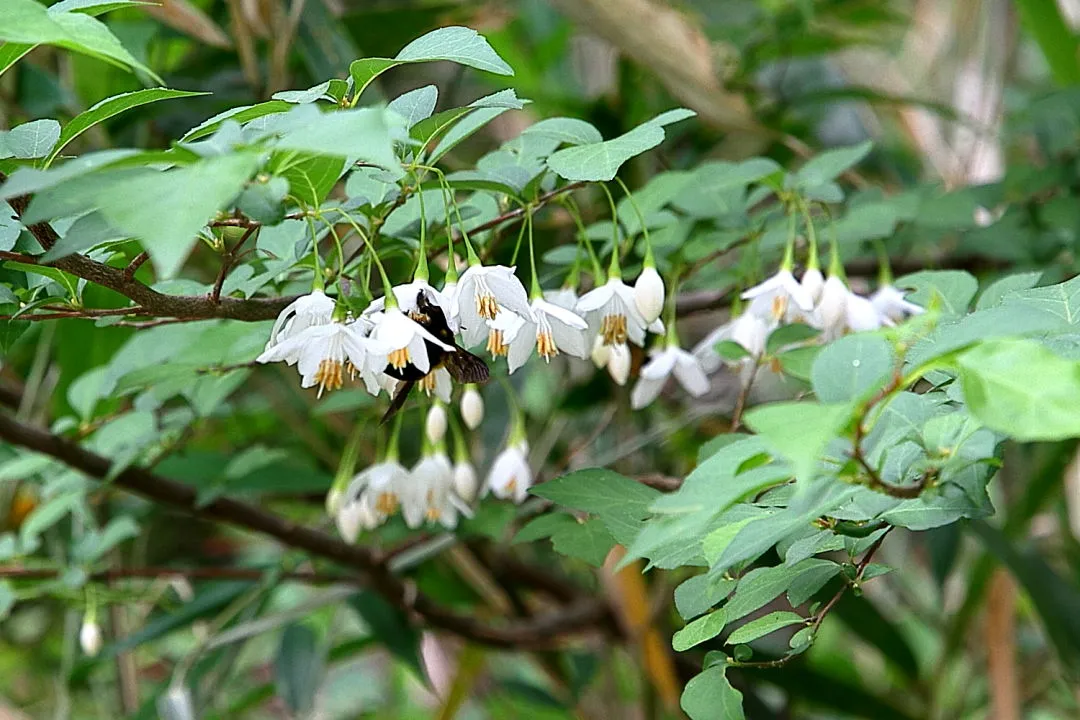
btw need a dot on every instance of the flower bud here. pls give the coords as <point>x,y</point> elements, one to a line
<point>175,704</point>
<point>619,363</point>
<point>465,481</point>
<point>601,353</point>
<point>348,520</point>
<point>649,294</point>
<point>333,501</point>
<point>90,637</point>
<point>435,424</point>
<point>472,407</point>
<point>813,282</point>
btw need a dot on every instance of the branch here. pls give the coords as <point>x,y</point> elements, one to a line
<point>542,631</point>
<point>155,572</point>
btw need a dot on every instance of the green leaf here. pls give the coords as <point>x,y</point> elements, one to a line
<point>852,368</point>
<point>956,288</point>
<point>700,630</point>
<point>29,140</point>
<point>589,541</point>
<point>1021,388</point>
<point>30,23</point>
<point>86,232</point>
<point>310,177</point>
<point>785,335</point>
<point>356,134</point>
<point>1058,42</point>
<point>1061,300</point>
<point>135,203</point>
<point>11,53</point>
<point>263,201</point>
<point>415,105</point>
<point>799,430</point>
<point>1008,285</point>
<point>111,107</point>
<point>827,166</point>
<point>762,626</point>
<point>457,44</point>
<point>709,696</point>
<point>243,114</point>
<point>812,575</point>
<point>620,502</point>
<point>694,596</point>
<point>298,668</point>
<point>760,586</point>
<point>7,598</point>
<point>391,627</point>
<point>565,130</point>
<point>601,161</point>
<point>303,97</point>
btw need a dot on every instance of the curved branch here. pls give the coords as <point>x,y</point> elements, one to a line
<point>580,616</point>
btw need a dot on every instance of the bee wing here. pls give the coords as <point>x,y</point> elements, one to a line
<point>466,367</point>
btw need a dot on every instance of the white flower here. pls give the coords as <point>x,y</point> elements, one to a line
<point>601,353</point>
<point>860,314</point>
<point>662,364</point>
<point>611,312</point>
<point>813,282</point>
<point>406,295</point>
<point>333,501</point>
<point>841,310</point>
<point>90,637</point>
<point>502,331</point>
<point>618,364</point>
<point>314,308</point>
<point>550,329</point>
<point>777,295</point>
<point>472,407</point>
<point>438,383</point>
<point>890,304</point>
<point>566,297</point>
<point>510,475</point>
<point>432,495</point>
<point>377,490</point>
<point>404,339</point>
<point>435,424</point>
<point>749,330</point>
<point>649,294</point>
<point>324,354</point>
<point>482,291</point>
<point>465,481</point>
<point>349,518</point>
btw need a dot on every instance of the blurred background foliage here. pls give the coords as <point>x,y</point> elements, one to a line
<point>971,104</point>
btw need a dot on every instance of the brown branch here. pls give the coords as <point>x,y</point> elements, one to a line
<point>155,572</point>
<point>542,631</point>
<point>135,264</point>
<point>227,261</point>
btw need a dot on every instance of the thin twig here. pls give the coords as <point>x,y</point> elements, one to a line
<point>160,571</point>
<point>227,261</point>
<point>135,264</point>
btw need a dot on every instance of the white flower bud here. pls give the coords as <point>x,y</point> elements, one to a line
<point>601,353</point>
<point>813,282</point>
<point>472,408</point>
<point>435,424</point>
<point>649,294</point>
<point>619,363</point>
<point>333,501</point>
<point>175,704</point>
<point>348,520</point>
<point>465,481</point>
<point>90,637</point>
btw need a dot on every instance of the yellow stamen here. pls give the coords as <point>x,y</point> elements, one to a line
<point>779,306</point>
<point>427,383</point>
<point>496,344</point>
<point>433,512</point>
<point>398,358</point>
<point>387,503</point>
<point>511,486</point>
<point>351,370</point>
<point>486,306</point>
<point>613,329</point>
<point>545,345</point>
<point>329,375</point>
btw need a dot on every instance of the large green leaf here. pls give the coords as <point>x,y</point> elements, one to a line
<point>108,108</point>
<point>298,668</point>
<point>709,696</point>
<point>601,161</point>
<point>30,140</point>
<point>457,44</point>
<point>29,23</point>
<point>1021,388</point>
<point>700,630</point>
<point>618,501</point>
<point>827,166</point>
<point>799,430</point>
<point>852,368</point>
<point>762,626</point>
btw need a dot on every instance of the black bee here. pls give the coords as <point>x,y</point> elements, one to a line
<point>462,365</point>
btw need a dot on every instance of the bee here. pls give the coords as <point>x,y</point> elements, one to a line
<point>462,365</point>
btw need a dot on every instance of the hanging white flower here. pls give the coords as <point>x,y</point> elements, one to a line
<point>404,339</point>
<point>566,297</point>
<point>813,282</point>
<point>663,363</point>
<point>618,363</point>
<point>649,294</point>
<point>90,637</point>
<point>466,483</point>
<point>406,295</point>
<point>435,424</point>
<point>611,312</point>
<point>482,291</point>
<point>860,314</point>
<point>510,475</point>
<point>322,353</point>
<point>438,383</point>
<point>315,308</point>
<point>502,331</point>
<point>601,353</point>
<point>431,497</point>
<point>749,330</point>
<point>780,297</point>
<point>840,310</point>
<point>472,407</point>
<point>377,490</point>
<point>890,304</point>
<point>549,329</point>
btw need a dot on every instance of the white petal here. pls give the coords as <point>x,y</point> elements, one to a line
<point>649,294</point>
<point>521,346</point>
<point>690,374</point>
<point>595,298</point>
<point>660,365</point>
<point>619,364</point>
<point>645,391</point>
